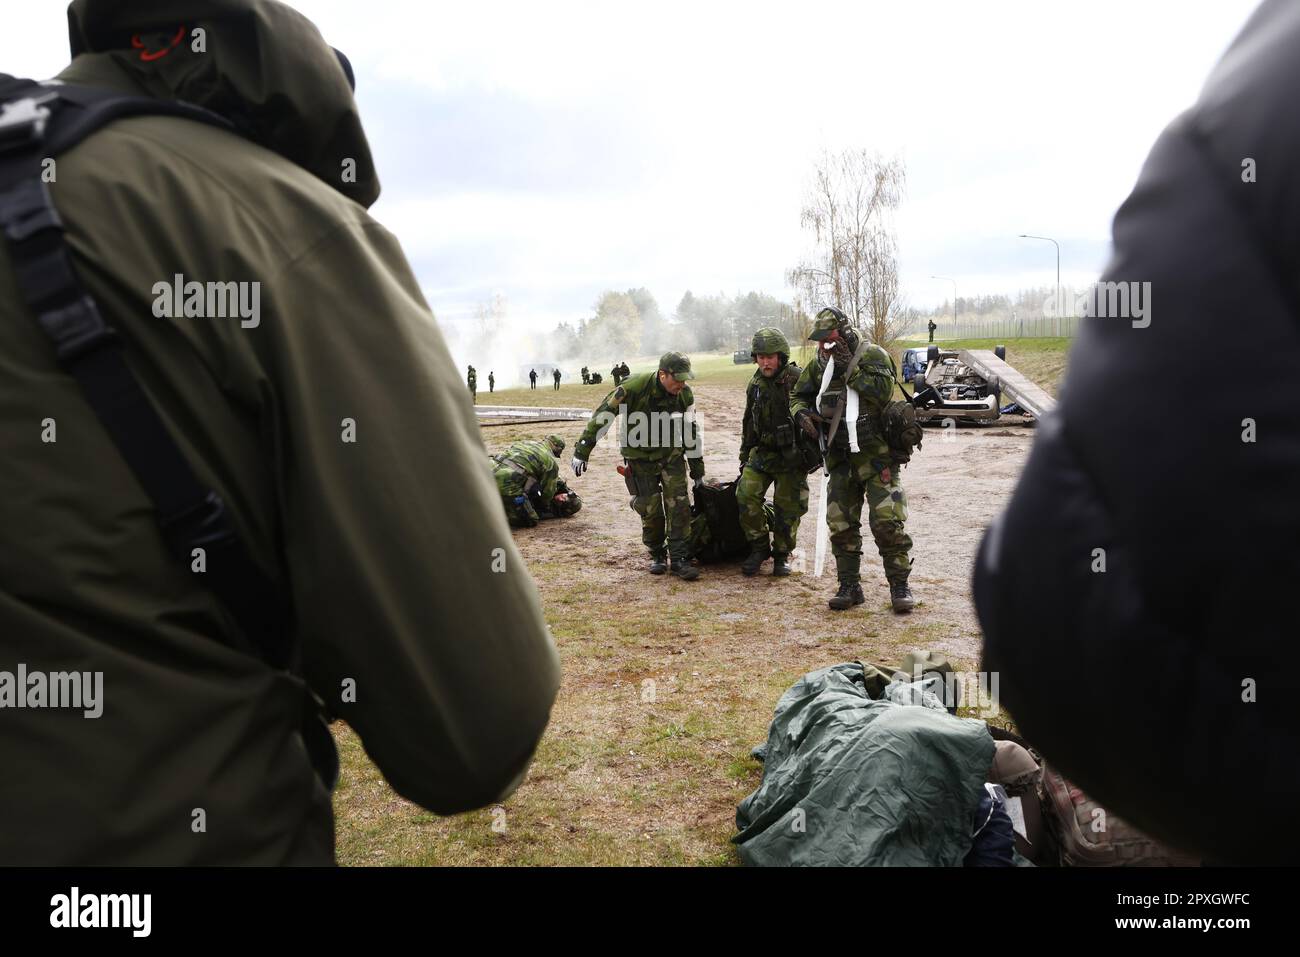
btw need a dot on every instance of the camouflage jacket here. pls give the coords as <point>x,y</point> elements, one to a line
<point>523,461</point>
<point>650,436</point>
<point>767,407</point>
<point>873,379</point>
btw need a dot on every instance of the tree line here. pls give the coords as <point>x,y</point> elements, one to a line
<point>632,323</point>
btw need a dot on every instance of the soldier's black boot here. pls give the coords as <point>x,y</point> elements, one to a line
<point>850,594</point>
<point>685,570</point>
<point>658,564</point>
<point>759,552</point>
<point>780,564</point>
<point>901,596</point>
<point>848,565</point>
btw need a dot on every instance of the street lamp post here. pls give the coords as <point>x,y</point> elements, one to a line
<point>954,300</point>
<point>1049,239</point>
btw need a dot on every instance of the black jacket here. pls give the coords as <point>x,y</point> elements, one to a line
<point>1132,680</point>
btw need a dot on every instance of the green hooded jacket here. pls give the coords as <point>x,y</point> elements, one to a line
<point>335,430</point>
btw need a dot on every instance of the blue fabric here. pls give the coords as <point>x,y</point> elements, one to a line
<point>994,834</point>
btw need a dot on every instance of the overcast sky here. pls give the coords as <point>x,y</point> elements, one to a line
<point>548,151</point>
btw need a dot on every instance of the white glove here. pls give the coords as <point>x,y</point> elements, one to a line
<point>579,466</point>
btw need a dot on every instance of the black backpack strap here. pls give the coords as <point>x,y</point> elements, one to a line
<point>40,121</point>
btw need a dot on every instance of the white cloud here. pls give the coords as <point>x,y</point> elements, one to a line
<point>1013,117</point>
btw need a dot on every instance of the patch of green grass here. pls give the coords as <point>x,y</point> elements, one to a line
<point>745,768</point>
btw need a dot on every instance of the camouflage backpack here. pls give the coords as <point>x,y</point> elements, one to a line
<point>902,431</point>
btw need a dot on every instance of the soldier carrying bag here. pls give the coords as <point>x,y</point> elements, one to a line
<point>798,450</point>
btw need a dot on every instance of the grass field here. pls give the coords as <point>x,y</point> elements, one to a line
<point>1041,359</point>
<point>667,685</point>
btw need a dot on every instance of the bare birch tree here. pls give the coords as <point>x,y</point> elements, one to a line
<point>853,264</point>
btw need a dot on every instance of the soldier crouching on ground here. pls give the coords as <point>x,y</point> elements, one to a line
<point>528,475</point>
<point>660,439</point>
<point>768,457</point>
<point>843,394</point>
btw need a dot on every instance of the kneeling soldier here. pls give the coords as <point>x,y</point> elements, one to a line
<point>842,395</point>
<point>522,468</point>
<point>660,440</point>
<point>768,457</point>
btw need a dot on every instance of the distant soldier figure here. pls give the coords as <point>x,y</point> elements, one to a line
<point>932,328</point>
<point>614,374</point>
<point>556,375</point>
<point>586,376</point>
<point>768,457</point>
<point>656,457</point>
<point>527,475</point>
<point>472,379</point>
<point>857,378</point>
<point>492,382</point>
<point>532,378</point>
<point>624,371</point>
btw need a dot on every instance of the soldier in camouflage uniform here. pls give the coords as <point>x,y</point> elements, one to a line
<point>472,381</point>
<point>661,441</point>
<point>524,467</point>
<point>871,473</point>
<point>768,457</point>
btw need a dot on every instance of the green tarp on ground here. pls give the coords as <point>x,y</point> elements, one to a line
<point>849,780</point>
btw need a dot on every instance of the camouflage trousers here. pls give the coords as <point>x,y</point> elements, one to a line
<point>519,511</point>
<point>868,475</point>
<point>661,501</point>
<point>789,503</point>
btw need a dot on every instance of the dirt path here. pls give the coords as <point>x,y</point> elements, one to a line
<point>667,685</point>
<point>955,485</point>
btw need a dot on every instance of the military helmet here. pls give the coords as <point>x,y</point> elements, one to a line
<point>828,320</point>
<point>556,443</point>
<point>769,341</point>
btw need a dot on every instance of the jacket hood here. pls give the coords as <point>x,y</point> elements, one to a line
<point>260,64</point>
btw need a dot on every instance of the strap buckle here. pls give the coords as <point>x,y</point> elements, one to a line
<point>76,329</point>
<point>22,122</point>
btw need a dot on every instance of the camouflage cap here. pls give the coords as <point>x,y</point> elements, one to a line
<point>677,364</point>
<point>828,320</point>
<point>556,443</point>
<point>769,341</point>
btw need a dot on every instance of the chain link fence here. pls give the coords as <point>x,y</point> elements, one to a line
<point>1034,327</point>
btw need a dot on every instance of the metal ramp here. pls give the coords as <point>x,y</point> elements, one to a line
<point>1015,386</point>
<point>524,414</point>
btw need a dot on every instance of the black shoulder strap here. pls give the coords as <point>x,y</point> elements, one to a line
<point>38,122</point>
